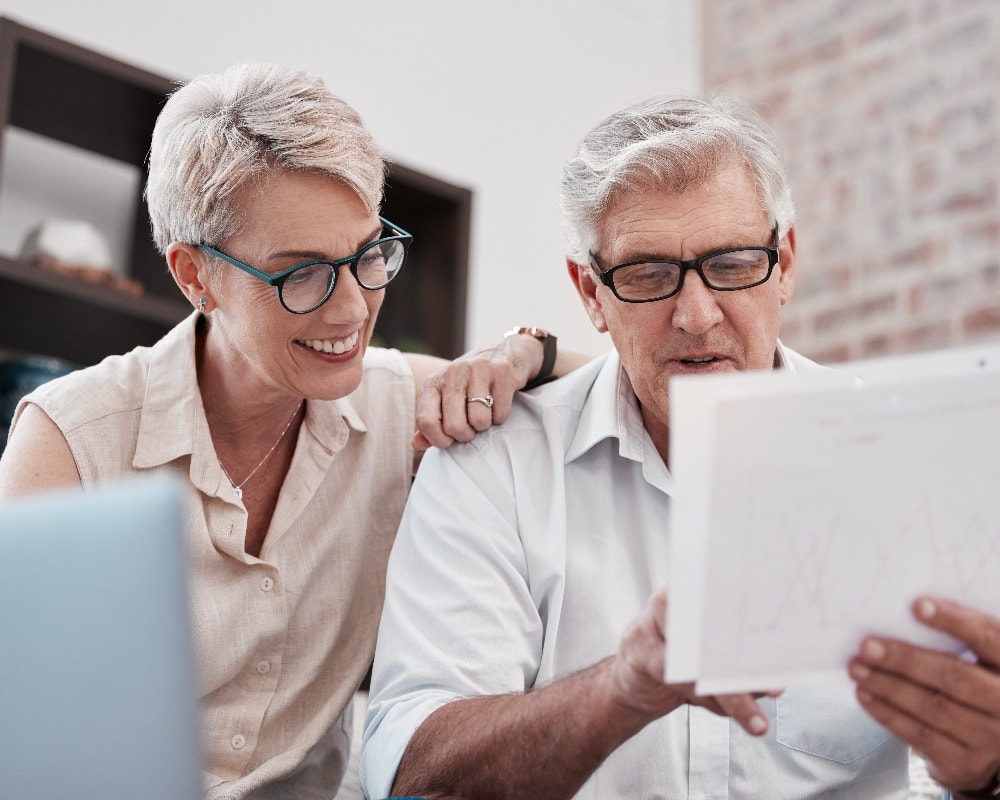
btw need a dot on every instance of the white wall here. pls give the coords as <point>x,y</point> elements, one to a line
<point>491,96</point>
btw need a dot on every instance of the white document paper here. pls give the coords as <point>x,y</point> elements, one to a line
<point>811,509</point>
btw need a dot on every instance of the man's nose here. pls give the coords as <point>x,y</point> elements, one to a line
<point>696,307</point>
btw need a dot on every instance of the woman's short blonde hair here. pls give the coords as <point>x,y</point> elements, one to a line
<point>221,133</point>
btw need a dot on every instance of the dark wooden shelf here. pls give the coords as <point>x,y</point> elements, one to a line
<point>75,319</point>
<point>85,99</point>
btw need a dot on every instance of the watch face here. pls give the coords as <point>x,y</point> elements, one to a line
<point>531,330</point>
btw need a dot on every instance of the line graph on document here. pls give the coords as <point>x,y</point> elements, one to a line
<point>823,574</point>
<point>844,550</point>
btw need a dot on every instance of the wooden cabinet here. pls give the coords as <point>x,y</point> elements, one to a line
<point>76,96</point>
<point>424,308</point>
<point>73,95</point>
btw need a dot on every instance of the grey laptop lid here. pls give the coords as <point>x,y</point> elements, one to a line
<point>98,694</point>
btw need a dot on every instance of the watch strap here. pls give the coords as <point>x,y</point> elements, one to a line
<point>549,351</point>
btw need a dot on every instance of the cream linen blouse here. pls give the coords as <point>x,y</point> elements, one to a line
<point>283,640</point>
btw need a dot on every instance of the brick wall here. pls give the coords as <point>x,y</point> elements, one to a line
<point>889,114</point>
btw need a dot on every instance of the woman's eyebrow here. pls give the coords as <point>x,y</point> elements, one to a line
<point>317,254</point>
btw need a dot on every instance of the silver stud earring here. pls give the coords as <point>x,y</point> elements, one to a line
<point>201,304</point>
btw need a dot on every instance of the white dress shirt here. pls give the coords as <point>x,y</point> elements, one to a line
<point>525,554</point>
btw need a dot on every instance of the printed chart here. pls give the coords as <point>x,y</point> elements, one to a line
<point>811,513</point>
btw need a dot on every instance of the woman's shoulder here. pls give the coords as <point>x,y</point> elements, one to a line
<point>386,370</point>
<point>385,395</point>
<point>118,383</point>
<point>386,362</point>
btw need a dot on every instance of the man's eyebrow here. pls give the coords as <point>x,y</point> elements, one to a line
<point>307,255</point>
<point>645,255</point>
<point>655,255</point>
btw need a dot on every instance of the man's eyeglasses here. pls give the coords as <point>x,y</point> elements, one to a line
<point>724,271</point>
<point>305,287</point>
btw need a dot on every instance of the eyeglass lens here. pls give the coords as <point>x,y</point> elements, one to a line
<point>737,269</point>
<point>375,266</point>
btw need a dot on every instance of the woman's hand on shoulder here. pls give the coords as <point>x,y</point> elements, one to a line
<point>445,411</point>
<point>457,399</point>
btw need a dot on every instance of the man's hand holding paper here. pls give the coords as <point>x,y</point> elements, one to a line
<point>945,706</point>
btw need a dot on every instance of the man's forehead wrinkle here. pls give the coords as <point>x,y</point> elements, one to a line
<point>638,231</point>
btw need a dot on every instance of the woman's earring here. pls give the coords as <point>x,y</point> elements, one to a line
<point>201,304</point>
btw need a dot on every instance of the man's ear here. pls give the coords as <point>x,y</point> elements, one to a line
<point>190,272</point>
<point>586,285</point>
<point>786,263</point>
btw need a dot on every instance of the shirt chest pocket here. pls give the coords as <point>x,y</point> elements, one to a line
<point>827,722</point>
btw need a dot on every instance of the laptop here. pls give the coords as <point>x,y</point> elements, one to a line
<point>98,692</point>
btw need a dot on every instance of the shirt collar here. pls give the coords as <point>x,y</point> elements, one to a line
<point>611,410</point>
<point>171,409</point>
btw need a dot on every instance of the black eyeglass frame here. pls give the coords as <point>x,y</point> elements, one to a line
<point>607,276</point>
<point>278,279</point>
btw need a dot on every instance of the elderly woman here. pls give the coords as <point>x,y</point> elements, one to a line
<point>293,435</point>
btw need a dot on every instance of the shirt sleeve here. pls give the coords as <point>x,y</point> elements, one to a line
<point>459,618</point>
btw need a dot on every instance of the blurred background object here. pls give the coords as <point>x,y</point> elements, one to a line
<point>74,247</point>
<point>21,373</point>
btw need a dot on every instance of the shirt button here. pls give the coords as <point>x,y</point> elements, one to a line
<point>263,667</point>
<point>239,742</point>
<point>267,584</point>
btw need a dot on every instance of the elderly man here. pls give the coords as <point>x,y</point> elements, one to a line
<point>522,645</point>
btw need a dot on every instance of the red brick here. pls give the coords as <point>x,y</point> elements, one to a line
<point>889,114</point>
<point>982,320</point>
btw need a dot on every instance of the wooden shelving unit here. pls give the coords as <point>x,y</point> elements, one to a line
<point>73,95</point>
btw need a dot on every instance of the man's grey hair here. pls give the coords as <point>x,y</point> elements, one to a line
<point>223,133</point>
<point>673,142</point>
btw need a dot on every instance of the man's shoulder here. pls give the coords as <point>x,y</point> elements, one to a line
<point>796,362</point>
<point>571,390</point>
<point>544,419</point>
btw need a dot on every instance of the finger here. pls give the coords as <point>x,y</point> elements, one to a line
<point>479,410</point>
<point>638,667</point>
<point>493,379</point>
<point>744,709</point>
<point>658,607</point>
<point>918,705</point>
<point>429,416</point>
<point>921,736</point>
<point>421,442</point>
<point>503,387</point>
<point>950,762</point>
<point>903,669</point>
<point>454,408</point>
<point>980,631</point>
<point>645,636</point>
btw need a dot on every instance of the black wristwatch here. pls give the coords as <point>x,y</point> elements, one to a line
<point>548,341</point>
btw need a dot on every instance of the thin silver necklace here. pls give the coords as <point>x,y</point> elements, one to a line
<point>239,486</point>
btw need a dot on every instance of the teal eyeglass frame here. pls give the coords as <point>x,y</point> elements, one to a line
<point>278,280</point>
